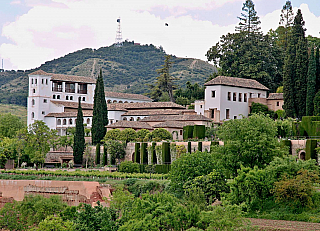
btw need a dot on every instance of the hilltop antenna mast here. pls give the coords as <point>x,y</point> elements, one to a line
<point>119,42</point>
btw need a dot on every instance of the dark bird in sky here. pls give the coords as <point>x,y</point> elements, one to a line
<point>166,24</point>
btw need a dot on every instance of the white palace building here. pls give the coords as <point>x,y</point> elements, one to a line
<point>53,98</point>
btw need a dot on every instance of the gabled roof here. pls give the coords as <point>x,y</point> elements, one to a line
<point>275,96</point>
<point>173,124</point>
<point>69,114</point>
<point>126,96</point>
<point>146,105</point>
<point>130,124</point>
<point>73,104</point>
<point>66,78</point>
<point>236,82</point>
<point>175,118</point>
<point>153,112</point>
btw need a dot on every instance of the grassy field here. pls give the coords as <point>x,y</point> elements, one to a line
<point>19,111</point>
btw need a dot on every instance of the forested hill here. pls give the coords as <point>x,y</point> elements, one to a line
<point>126,69</point>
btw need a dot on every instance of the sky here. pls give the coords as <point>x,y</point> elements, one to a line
<point>36,31</point>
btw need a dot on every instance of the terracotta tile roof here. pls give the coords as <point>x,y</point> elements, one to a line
<point>126,96</point>
<point>73,104</point>
<point>153,112</point>
<point>68,78</point>
<point>173,124</point>
<point>69,114</point>
<point>236,82</point>
<point>175,118</point>
<point>146,105</point>
<point>275,96</point>
<point>130,124</point>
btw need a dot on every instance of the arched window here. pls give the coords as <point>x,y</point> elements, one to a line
<point>33,102</point>
<point>64,122</point>
<point>114,101</point>
<point>124,118</point>
<point>70,121</point>
<point>131,102</point>
<point>34,90</point>
<point>32,115</point>
<point>59,122</point>
<point>88,121</point>
<point>125,101</point>
<point>35,81</point>
<point>67,97</point>
<point>54,96</point>
<point>108,101</point>
<point>31,81</point>
<point>71,97</point>
<point>120,101</point>
<point>138,118</point>
<point>131,119</point>
<point>58,96</point>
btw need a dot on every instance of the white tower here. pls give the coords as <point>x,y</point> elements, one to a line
<point>119,42</point>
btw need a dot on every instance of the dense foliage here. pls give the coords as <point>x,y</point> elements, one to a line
<point>79,141</point>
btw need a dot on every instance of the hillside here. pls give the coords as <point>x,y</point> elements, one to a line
<point>126,69</point>
<point>17,110</point>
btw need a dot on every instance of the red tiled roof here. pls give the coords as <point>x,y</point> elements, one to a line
<point>73,104</point>
<point>173,124</point>
<point>153,112</point>
<point>69,114</point>
<point>67,78</point>
<point>126,96</point>
<point>130,124</point>
<point>236,82</point>
<point>175,118</point>
<point>275,96</point>
<point>146,105</point>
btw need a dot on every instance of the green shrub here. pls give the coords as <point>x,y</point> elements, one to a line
<point>129,167</point>
<point>166,153</point>
<point>287,143</point>
<point>143,153</point>
<point>200,146</point>
<point>199,131</point>
<point>162,168</point>
<point>311,146</point>
<point>188,132</point>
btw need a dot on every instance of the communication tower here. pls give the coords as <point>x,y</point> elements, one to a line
<point>119,42</point>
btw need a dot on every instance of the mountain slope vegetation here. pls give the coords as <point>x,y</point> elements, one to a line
<point>126,69</point>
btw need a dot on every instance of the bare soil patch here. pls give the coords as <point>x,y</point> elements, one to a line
<point>265,224</point>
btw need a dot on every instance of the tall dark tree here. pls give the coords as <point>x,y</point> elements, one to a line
<point>249,20</point>
<point>164,83</point>
<point>311,84</point>
<point>100,112</point>
<point>79,141</point>
<point>317,59</point>
<point>295,70</point>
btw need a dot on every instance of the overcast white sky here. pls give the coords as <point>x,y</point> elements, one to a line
<point>35,31</point>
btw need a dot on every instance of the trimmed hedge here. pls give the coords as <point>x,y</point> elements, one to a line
<point>187,132</point>
<point>163,168</point>
<point>199,131</point>
<point>189,147</point>
<point>137,153</point>
<point>200,146</point>
<point>143,153</point>
<point>288,144</point>
<point>309,126</point>
<point>166,158</point>
<point>311,149</point>
<point>154,155</point>
<point>105,156</point>
<point>98,153</point>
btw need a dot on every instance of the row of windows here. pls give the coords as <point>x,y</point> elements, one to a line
<point>115,101</point>
<point>68,97</point>
<point>43,81</point>
<point>33,102</point>
<point>70,121</point>
<point>234,96</point>
<point>131,118</point>
<point>32,114</point>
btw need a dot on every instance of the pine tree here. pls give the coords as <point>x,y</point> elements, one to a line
<point>286,22</point>
<point>79,141</point>
<point>311,84</point>
<point>249,21</point>
<point>100,112</point>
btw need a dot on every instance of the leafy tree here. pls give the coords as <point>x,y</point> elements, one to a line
<point>88,156</point>
<point>141,134</point>
<point>100,112</point>
<point>7,150</point>
<point>262,109</point>
<point>79,141</point>
<point>129,167</point>
<point>66,141</point>
<point>311,84</point>
<point>317,104</point>
<point>127,135</point>
<point>249,21</point>
<point>249,142</point>
<point>115,149</point>
<point>164,82</point>
<point>159,134</point>
<point>9,125</point>
<point>188,167</point>
<point>55,223</point>
<point>113,134</point>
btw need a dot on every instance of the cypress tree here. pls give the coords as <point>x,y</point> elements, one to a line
<point>317,59</point>
<point>100,112</point>
<point>311,84</point>
<point>79,141</point>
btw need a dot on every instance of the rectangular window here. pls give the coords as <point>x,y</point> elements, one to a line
<point>213,94</point>
<point>245,97</point>
<point>82,88</point>
<point>227,113</point>
<point>200,106</point>
<point>181,133</point>
<point>42,112</point>
<point>229,96</point>
<point>35,81</point>
<point>278,103</point>
<point>234,96</point>
<point>45,100</point>
<point>212,114</point>
<point>259,95</point>
<point>42,81</point>
<point>234,117</point>
<point>57,86</point>
<point>240,97</point>
<point>54,96</point>
<point>250,95</point>
<point>70,87</point>
<point>46,81</point>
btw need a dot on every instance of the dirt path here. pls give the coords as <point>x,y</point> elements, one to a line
<point>93,67</point>
<point>265,224</point>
